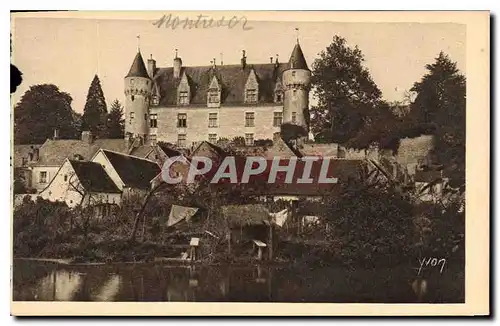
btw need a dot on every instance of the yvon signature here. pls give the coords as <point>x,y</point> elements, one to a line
<point>432,262</point>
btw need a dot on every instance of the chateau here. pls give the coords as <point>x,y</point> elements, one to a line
<point>186,105</point>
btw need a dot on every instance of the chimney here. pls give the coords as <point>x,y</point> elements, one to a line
<point>243,59</point>
<point>271,58</point>
<point>87,137</point>
<point>221,58</point>
<point>56,134</point>
<point>277,59</point>
<point>151,66</point>
<point>34,154</point>
<point>214,64</point>
<point>177,65</point>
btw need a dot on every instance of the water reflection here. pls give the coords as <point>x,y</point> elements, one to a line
<point>149,282</point>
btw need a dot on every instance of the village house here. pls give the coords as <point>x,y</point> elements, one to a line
<point>82,183</point>
<point>40,163</point>
<point>132,175</point>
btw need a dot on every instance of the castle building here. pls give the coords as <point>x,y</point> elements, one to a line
<point>185,105</point>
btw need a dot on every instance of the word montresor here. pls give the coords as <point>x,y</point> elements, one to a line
<point>201,21</point>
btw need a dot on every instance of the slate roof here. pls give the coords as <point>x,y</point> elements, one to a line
<point>135,172</point>
<point>138,69</point>
<point>93,177</point>
<point>232,78</point>
<point>297,60</point>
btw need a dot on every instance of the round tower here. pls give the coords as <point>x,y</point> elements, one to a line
<point>296,82</point>
<point>138,88</point>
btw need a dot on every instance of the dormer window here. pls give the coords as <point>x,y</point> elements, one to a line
<point>214,93</point>
<point>213,96</point>
<point>252,88</point>
<point>278,92</point>
<point>183,98</point>
<point>251,96</point>
<point>183,91</point>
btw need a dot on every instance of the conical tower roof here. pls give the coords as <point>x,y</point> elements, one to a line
<point>297,60</point>
<point>138,69</point>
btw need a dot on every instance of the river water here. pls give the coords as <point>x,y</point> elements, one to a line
<point>36,281</point>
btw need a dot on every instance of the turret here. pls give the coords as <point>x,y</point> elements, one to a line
<point>296,82</point>
<point>138,87</point>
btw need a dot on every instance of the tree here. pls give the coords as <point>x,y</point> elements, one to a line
<point>95,111</point>
<point>115,123</point>
<point>42,109</point>
<point>441,100</point>
<point>347,95</point>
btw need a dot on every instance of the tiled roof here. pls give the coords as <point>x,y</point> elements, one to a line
<point>93,177</point>
<point>133,171</point>
<point>138,69</point>
<point>297,60</point>
<point>324,150</point>
<point>54,152</point>
<point>231,77</point>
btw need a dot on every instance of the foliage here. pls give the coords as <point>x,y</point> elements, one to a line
<point>373,226</point>
<point>238,141</point>
<point>441,100</point>
<point>42,109</point>
<point>347,96</point>
<point>115,126</point>
<point>95,110</point>
<point>291,131</point>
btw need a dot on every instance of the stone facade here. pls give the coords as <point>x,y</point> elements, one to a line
<point>230,123</point>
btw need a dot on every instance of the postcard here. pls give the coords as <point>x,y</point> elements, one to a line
<point>250,163</point>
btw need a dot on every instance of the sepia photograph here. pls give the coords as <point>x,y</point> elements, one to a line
<point>202,157</point>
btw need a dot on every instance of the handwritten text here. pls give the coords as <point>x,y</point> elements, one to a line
<point>201,21</point>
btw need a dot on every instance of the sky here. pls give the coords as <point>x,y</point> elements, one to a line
<point>68,52</point>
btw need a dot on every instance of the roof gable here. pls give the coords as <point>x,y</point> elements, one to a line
<point>93,177</point>
<point>135,172</point>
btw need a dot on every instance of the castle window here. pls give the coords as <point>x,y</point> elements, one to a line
<point>279,98</point>
<point>251,96</point>
<point>294,117</point>
<point>249,139</point>
<point>43,176</point>
<point>132,98</point>
<point>212,138</point>
<point>181,140</point>
<point>182,120</point>
<point>153,120</point>
<point>131,118</point>
<point>183,98</point>
<point>65,177</point>
<point>277,119</point>
<point>132,81</point>
<point>153,139</point>
<point>213,96</point>
<point>145,117</point>
<point>293,73</point>
<point>249,119</point>
<point>212,120</point>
